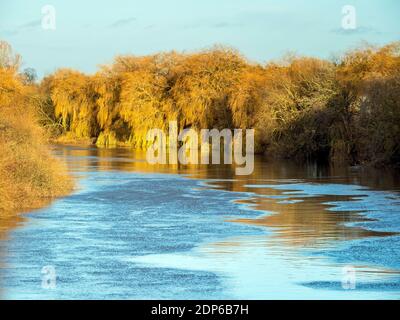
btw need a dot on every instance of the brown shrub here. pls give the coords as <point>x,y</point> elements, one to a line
<point>29,175</point>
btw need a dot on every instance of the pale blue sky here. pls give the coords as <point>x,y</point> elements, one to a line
<point>92,32</point>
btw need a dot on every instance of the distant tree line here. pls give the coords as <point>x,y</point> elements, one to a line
<point>301,107</point>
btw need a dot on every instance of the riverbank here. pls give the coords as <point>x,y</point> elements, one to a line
<point>30,177</point>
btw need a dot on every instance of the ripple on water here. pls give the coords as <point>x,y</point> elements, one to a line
<point>125,234</point>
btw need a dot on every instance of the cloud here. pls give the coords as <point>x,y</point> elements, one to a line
<point>24,27</point>
<point>213,24</point>
<point>357,31</point>
<point>244,18</point>
<point>122,22</point>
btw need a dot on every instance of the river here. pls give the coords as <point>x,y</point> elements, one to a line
<point>132,230</point>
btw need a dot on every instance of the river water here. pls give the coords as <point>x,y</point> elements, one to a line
<point>137,231</point>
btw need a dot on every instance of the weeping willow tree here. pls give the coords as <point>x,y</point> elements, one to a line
<point>202,89</point>
<point>74,101</point>
<point>248,106</point>
<point>107,87</point>
<point>143,100</point>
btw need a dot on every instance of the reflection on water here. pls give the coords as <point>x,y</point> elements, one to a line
<point>7,223</point>
<point>285,231</point>
<point>85,158</point>
<point>298,218</point>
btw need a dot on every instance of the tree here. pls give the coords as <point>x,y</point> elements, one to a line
<point>8,59</point>
<point>29,76</point>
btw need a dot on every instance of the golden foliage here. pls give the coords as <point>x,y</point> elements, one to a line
<point>74,101</point>
<point>300,107</point>
<point>29,175</point>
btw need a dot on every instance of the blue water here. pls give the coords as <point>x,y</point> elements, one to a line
<point>130,232</point>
